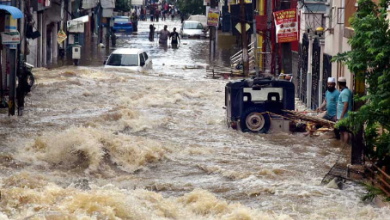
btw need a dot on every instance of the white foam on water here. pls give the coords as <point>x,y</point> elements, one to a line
<point>32,199</point>
<point>89,147</point>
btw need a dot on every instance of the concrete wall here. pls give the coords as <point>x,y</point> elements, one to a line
<point>33,45</point>
<point>39,47</point>
<point>335,42</point>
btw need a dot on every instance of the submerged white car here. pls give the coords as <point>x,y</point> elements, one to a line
<point>131,59</point>
<point>192,29</point>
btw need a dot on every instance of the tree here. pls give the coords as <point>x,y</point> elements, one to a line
<point>369,60</point>
<point>191,6</point>
<point>122,5</point>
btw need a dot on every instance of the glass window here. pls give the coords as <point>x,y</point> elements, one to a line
<point>146,56</point>
<point>192,25</point>
<point>142,59</point>
<point>121,20</point>
<point>262,95</point>
<point>123,60</point>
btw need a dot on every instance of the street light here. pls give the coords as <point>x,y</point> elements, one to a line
<point>319,31</point>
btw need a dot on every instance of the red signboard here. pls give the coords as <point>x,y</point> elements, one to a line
<point>286,23</point>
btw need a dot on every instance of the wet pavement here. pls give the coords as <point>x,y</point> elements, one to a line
<point>96,144</point>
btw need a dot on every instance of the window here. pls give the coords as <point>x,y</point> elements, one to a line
<point>121,20</point>
<point>191,25</point>
<point>142,59</point>
<point>262,95</point>
<point>146,56</point>
<point>123,60</point>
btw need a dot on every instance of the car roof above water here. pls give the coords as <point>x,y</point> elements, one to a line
<point>128,51</point>
<point>192,22</point>
<point>121,17</point>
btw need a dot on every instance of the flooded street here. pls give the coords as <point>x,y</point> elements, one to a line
<point>96,144</point>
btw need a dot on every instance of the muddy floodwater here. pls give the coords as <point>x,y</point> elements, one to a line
<point>96,144</point>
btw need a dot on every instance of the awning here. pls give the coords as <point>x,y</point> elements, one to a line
<point>15,12</point>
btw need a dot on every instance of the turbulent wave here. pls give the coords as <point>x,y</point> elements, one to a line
<point>33,197</point>
<point>90,148</point>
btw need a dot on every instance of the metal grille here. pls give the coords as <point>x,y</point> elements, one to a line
<point>327,73</point>
<point>265,59</point>
<point>315,74</point>
<point>303,68</point>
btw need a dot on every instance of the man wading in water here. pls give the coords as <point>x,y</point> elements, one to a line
<point>151,32</point>
<point>175,37</point>
<point>164,34</point>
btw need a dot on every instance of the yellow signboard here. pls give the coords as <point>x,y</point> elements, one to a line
<point>213,17</point>
<point>61,37</point>
<point>236,2</point>
<point>238,27</point>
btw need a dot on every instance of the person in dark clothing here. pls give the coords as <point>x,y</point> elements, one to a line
<point>151,32</point>
<point>173,14</point>
<point>113,37</point>
<point>182,17</point>
<point>151,15</point>
<point>175,38</point>
<point>134,20</point>
<point>164,18</point>
<point>157,14</point>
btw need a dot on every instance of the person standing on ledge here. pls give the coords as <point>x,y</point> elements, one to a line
<point>344,105</point>
<point>330,102</point>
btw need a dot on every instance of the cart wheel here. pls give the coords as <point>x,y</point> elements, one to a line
<point>255,120</point>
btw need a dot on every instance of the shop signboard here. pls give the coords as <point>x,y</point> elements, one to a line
<point>10,38</point>
<point>286,23</point>
<point>213,17</point>
<point>77,25</point>
<point>61,37</point>
<point>40,5</point>
<point>236,2</point>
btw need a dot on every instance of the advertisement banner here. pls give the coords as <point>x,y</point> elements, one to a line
<point>286,23</point>
<point>213,17</point>
<point>10,38</point>
<point>61,37</point>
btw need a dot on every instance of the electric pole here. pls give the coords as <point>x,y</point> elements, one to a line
<point>255,45</point>
<point>13,64</point>
<point>213,33</point>
<point>245,57</point>
<point>286,60</point>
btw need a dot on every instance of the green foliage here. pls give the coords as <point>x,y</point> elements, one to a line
<point>122,5</point>
<point>192,7</point>
<point>369,60</point>
<point>372,192</point>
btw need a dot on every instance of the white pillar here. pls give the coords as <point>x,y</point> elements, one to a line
<point>40,41</point>
<point>54,44</point>
<point>44,41</point>
<point>309,72</point>
<point>322,43</point>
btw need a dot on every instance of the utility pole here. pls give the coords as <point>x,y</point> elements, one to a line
<point>13,64</point>
<point>286,55</point>
<point>213,33</point>
<point>245,58</point>
<point>255,45</point>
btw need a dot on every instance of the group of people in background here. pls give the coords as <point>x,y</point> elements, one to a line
<point>163,11</point>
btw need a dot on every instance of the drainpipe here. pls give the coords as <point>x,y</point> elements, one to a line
<point>322,43</point>
<point>255,45</point>
<point>309,72</point>
<point>13,64</point>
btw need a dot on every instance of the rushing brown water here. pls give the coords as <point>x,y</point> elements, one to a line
<point>97,144</point>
